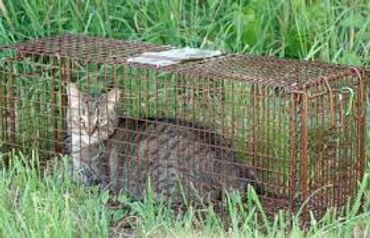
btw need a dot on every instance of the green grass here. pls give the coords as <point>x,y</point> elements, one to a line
<point>333,31</point>
<point>327,30</point>
<point>46,203</point>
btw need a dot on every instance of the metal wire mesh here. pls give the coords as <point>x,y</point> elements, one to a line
<point>298,126</point>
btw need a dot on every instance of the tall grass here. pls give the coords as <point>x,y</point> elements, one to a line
<point>325,30</point>
<point>329,30</point>
<point>46,203</point>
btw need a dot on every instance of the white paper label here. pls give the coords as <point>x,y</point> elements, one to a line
<point>173,56</point>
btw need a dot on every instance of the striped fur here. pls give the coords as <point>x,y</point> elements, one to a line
<point>181,160</point>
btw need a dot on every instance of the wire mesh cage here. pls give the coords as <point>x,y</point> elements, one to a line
<point>294,130</point>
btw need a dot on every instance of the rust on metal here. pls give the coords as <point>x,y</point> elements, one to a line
<point>299,126</point>
<point>361,117</point>
<point>304,179</point>
<point>292,155</point>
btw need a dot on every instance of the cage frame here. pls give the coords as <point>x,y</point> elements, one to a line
<point>299,94</point>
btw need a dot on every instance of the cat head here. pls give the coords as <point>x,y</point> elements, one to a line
<point>92,117</point>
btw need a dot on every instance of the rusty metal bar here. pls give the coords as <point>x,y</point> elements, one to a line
<point>255,113</point>
<point>361,124</point>
<point>304,161</point>
<point>54,108</point>
<point>64,76</point>
<point>3,103</point>
<point>12,103</point>
<point>292,155</point>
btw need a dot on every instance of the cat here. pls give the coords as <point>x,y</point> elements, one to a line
<point>88,128</point>
<point>183,161</point>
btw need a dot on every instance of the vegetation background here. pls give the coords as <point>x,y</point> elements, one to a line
<point>335,31</point>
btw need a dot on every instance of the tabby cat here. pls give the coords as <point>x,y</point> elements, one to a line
<point>180,160</point>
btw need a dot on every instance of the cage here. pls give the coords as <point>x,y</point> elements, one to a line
<point>298,127</point>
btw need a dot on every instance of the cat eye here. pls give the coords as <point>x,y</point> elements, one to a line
<point>102,121</point>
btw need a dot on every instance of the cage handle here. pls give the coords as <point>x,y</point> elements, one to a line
<point>360,77</point>
<point>331,102</point>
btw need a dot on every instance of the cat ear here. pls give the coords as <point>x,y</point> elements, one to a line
<point>113,97</point>
<point>73,94</point>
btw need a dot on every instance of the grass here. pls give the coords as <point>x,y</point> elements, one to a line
<point>339,32</point>
<point>328,30</point>
<point>46,203</point>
